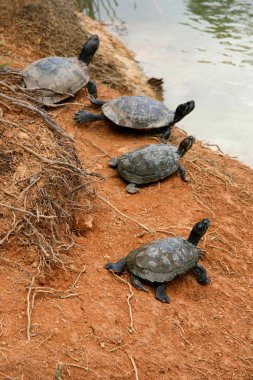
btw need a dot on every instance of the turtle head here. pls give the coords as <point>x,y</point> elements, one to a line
<point>89,49</point>
<point>185,145</point>
<point>183,109</point>
<point>199,231</point>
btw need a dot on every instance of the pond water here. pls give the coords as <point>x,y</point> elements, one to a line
<point>203,50</point>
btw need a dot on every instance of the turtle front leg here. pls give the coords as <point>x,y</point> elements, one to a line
<point>201,274</point>
<point>137,284</point>
<point>92,88</point>
<point>182,173</point>
<point>132,188</point>
<point>117,267</point>
<point>161,294</point>
<point>166,134</point>
<point>83,116</point>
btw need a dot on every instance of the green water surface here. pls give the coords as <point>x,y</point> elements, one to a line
<point>204,51</point>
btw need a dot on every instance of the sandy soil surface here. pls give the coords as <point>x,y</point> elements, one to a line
<point>81,322</point>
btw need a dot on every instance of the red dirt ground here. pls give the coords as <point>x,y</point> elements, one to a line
<point>102,328</point>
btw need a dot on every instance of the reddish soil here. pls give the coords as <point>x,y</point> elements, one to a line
<point>101,327</point>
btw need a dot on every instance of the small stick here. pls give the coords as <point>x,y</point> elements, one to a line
<point>131,328</point>
<point>28,212</point>
<point>29,310</point>
<point>77,279</point>
<point>124,215</point>
<point>217,146</point>
<point>49,121</point>
<point>1,326</point>
<point>79,366</point>
<point>199,201</point>
<point>2,120</point>
<point>6,236</point>
<point>8,377</point>
<point>51,162</point>
<point>27,188</point>
<point>97,147</point>
<point>135,367</point>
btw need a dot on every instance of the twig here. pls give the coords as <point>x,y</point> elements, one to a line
<point>29,311</point>
<point>1,326</point>
<point>56,162</point>
<point>2,120</point>
<point>49,121</point>
<point>199,201</point>
<point>54,292</point>
<point>217,146</point>
<point>8,377</point>
<point>182,334</point>
<point>97,147</point>
<point>131,328</point>
<point>77,279</point>
<point>134,365</point>
<point>124,215</point>
<point>27,188</point>
<point>8,193</point>
<point>7,70</point>
<point>81,367</point>
<point>13,228</point>
<point>28,212</point>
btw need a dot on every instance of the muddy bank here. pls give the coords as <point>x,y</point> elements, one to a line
<point>56,28</point>
<point>81,321</point>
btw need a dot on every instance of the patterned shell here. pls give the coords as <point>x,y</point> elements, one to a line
<point>149,164</point>
<point>138,112</point>
<point>66,75</point>
<point>163,260</point>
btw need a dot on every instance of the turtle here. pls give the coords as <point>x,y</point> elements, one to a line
<point>162,260</point>
<point>58,78</point>
<point>151,163</point>
<point>137,112</point>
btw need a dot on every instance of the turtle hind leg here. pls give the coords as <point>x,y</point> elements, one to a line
<point>161,293</point>
<point>117,267</point>
<point>201,274</point>
<point>132,188</point>
<point>137,284</point>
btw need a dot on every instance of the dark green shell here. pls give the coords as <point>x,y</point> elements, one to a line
<point>163,260</point>
<point>149,164</point>
<point>66,75</point>
<point>138,112</point>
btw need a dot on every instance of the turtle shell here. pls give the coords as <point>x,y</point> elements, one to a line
<point>138,112</point>
<point>66,75</point>
<point>163,260</point>
<point>148,164</point>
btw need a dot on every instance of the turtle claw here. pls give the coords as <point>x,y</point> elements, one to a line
<point>161,294</point>
<point>164,299</point>
<point>79,116</point>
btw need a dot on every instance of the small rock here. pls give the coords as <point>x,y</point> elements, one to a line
<point>23,136</point>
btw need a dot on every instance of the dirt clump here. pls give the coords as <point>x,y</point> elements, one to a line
<point>42,176</point>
